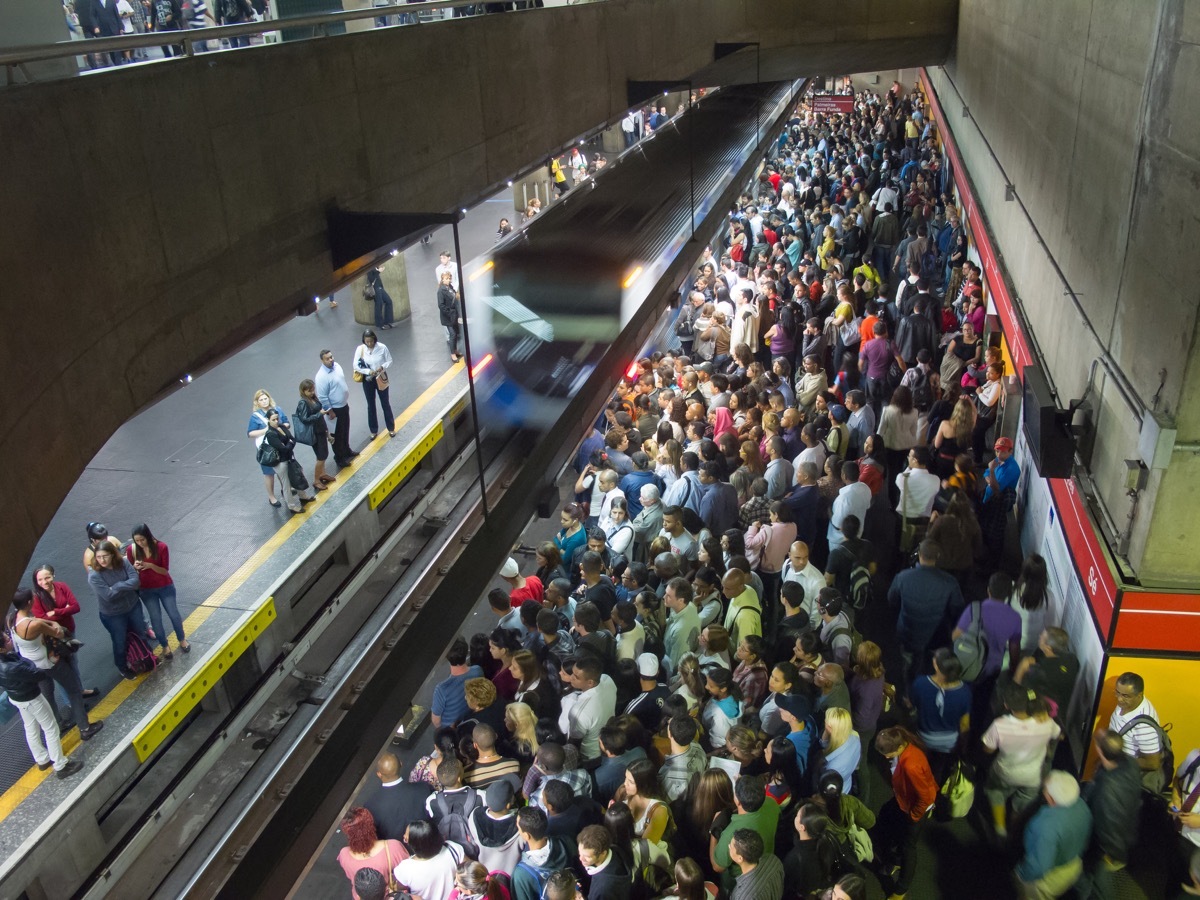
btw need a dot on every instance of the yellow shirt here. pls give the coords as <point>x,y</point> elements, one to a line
<point>557,171</point>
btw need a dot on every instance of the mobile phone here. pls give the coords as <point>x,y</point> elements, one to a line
<point>1173,809</point>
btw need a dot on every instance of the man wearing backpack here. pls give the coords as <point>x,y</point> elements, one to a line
<point>452,806</point>
<point>852,565</point>
<point>1000,627</point>
<point>542,857</point>
<point>1143,739</point>
<point>839,638</point>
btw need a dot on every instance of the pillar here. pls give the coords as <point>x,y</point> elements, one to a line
<point>395,281</point>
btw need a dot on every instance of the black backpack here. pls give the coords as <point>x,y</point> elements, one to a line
<point>860,585</point>
<point>922,392</point>
<point>1167,766</point>
<point>452,813</point>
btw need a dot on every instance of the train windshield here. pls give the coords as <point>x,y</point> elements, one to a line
<point>553,320</point>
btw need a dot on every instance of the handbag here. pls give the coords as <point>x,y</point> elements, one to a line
<point>303,431</point>
<point>860,843</point>
<point>369,291</point>
<point>381,381</point>
<point>359,376</point>
<point>958,793</point>
<point>267,455</point>
<point>849,333</point>
<point>296,475</point>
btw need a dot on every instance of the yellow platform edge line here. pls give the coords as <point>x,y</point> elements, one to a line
<point>188,696</point>
<point>393,478</point>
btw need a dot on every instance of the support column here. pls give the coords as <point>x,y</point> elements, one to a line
<point>395,281</point>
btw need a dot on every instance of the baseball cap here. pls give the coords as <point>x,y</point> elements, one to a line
<point>648,665</point>
<point>499,796</point>
<point>1005,444</point>
<point>509,569</point>
<point>795,704</point>
<point>839,413</point>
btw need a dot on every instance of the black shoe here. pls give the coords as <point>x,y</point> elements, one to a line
<point>69,769</point>
<point>128,676</point>
<point>44,766</point>
<point>65,725</point>
<point>86,734</point>
<point>275,503</point>
<point>354,454</point>
<point>75,645</point>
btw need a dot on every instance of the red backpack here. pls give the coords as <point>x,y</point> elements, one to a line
<point>139,658</point>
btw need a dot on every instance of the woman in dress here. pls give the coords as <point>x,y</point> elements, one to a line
<point>152,559</point>
<point>311,429</point>
<point>116,584</point>
<point>260,409</point>
<point>372,360</point>
<point>450,315</point>
<point>281,441</point>
<point>364,849</point>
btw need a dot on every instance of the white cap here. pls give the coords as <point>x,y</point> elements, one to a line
<point>509,569</point>
<point>648,665</point>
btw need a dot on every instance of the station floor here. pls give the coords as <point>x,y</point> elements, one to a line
<point>185,467</point>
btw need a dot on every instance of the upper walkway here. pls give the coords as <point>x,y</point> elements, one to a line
<point>187,201</point>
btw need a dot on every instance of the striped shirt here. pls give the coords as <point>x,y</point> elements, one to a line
<point>1141,739</point>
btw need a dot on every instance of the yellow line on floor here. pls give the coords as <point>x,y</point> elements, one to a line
<point>13,797</point>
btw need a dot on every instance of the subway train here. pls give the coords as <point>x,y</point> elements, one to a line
<point>545,304</point>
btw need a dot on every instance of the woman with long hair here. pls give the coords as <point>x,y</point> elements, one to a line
<point>364,849</point>
<point>473,881</point>
<point>784,781</point>
<point>152,559</point>
<point>670,461</point>
<point>55,602</point>
<point>898,426</point>
<point>752,460</point>
<point>711,555</point>
<point>902,818</point>
<point>260,408</point>
<point>849,378</point>
<point>642,795</point>
<point>808,865</point>
<point>724,707</point>
<point>959,537</point>
<point>690,884</point>
<point>1029,599</point>
<point>432,865</point>
<point>312,430</point>
<point>751,673</point>
<point>866,698</point>
<point>840,745</point>
<point>691,683</point>
<point>784,679</point>
<point>953,435</point>
<point>115,582</point>
<point>445,746</point>
<point>533,687</point>
<point>550,562</point>
<point>522,742</point>
<point>709,795</point>
<point>280,439</point>
<point>502,644</point>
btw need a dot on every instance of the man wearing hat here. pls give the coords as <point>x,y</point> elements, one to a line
<point>647,706</point>
<point>520,587</point>
<point>796,711</point>
<point>838,437</point>
<point>1000,496</point>
<point>494,828</point>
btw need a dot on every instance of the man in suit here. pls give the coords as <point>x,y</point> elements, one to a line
<point>394,802</point>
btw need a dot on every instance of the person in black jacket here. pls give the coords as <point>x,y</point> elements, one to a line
<point>449,313</point>
<point>394,802</point>
<point>310,428</point>
<point>379,295</point>
<point>284,444</point>
<point>1114,796</point>
<point>609,870</point>
<point>20,678</point>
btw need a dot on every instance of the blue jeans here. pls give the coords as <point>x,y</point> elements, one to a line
<point>158,599</point>
<point>118,625</point>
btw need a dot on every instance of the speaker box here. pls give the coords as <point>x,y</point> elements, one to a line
<point>1047,428</point>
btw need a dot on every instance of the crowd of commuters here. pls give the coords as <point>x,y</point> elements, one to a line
<point>688,696</point>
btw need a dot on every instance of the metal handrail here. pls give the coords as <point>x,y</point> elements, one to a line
<point>17,56</point>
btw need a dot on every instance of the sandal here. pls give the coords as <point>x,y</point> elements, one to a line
<point>318,486</point>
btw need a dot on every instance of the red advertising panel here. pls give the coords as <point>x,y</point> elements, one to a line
<point>1150,620</point>
<point>833,103</point>
<point>1086,550</point>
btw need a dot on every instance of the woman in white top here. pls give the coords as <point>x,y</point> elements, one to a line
<point>371,362</point>
<point>898,428</point>
<point>618,529</point>
<point>1029,599</point>
<point>987,405</point>
<point>428,874</point>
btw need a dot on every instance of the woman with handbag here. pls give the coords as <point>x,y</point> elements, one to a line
<point>277,452</point>
<point>262,406</point>
<point>987,405</point>
<point>365,850</point>
<point>310,428</point>
<point>116,585</point>
<point>152,560</point>
<point>371,362</point>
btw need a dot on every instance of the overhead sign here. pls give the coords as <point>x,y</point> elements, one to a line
<point>833,103</point>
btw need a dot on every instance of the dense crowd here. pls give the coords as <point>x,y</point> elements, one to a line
<point>688,697</point>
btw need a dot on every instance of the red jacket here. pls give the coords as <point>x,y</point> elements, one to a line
<point>64,601</point>
<point>913,783</point>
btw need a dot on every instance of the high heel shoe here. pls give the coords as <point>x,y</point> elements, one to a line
<point>275,503</point>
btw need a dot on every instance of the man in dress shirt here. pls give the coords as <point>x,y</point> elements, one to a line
<point>335,399</point>
<point>446,264</point>
<point>595,705</point>
<point>853,499</point>
<point>916,498</point>
<point>861,423</point>
<point>798,568</point>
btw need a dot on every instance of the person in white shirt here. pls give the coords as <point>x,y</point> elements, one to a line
<point>371,361</point>
<point>799,569</point>
<point>446,264</point>
<point>608,492</point>
<point>595,705</point>
<point>853,499</point>
<point>918,486</point>
<point>1141,740</point>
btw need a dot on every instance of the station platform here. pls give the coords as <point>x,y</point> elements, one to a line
<point>185,467</point>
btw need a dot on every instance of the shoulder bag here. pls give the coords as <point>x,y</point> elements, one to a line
<point>301,430</point>
<point>267,455</point>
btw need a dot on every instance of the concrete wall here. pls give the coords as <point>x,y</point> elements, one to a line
<point>1089,107</point>
<point>161,215</point>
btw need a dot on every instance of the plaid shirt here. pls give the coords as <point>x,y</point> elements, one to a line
<point>753,682</point>
<point>579,780</point>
